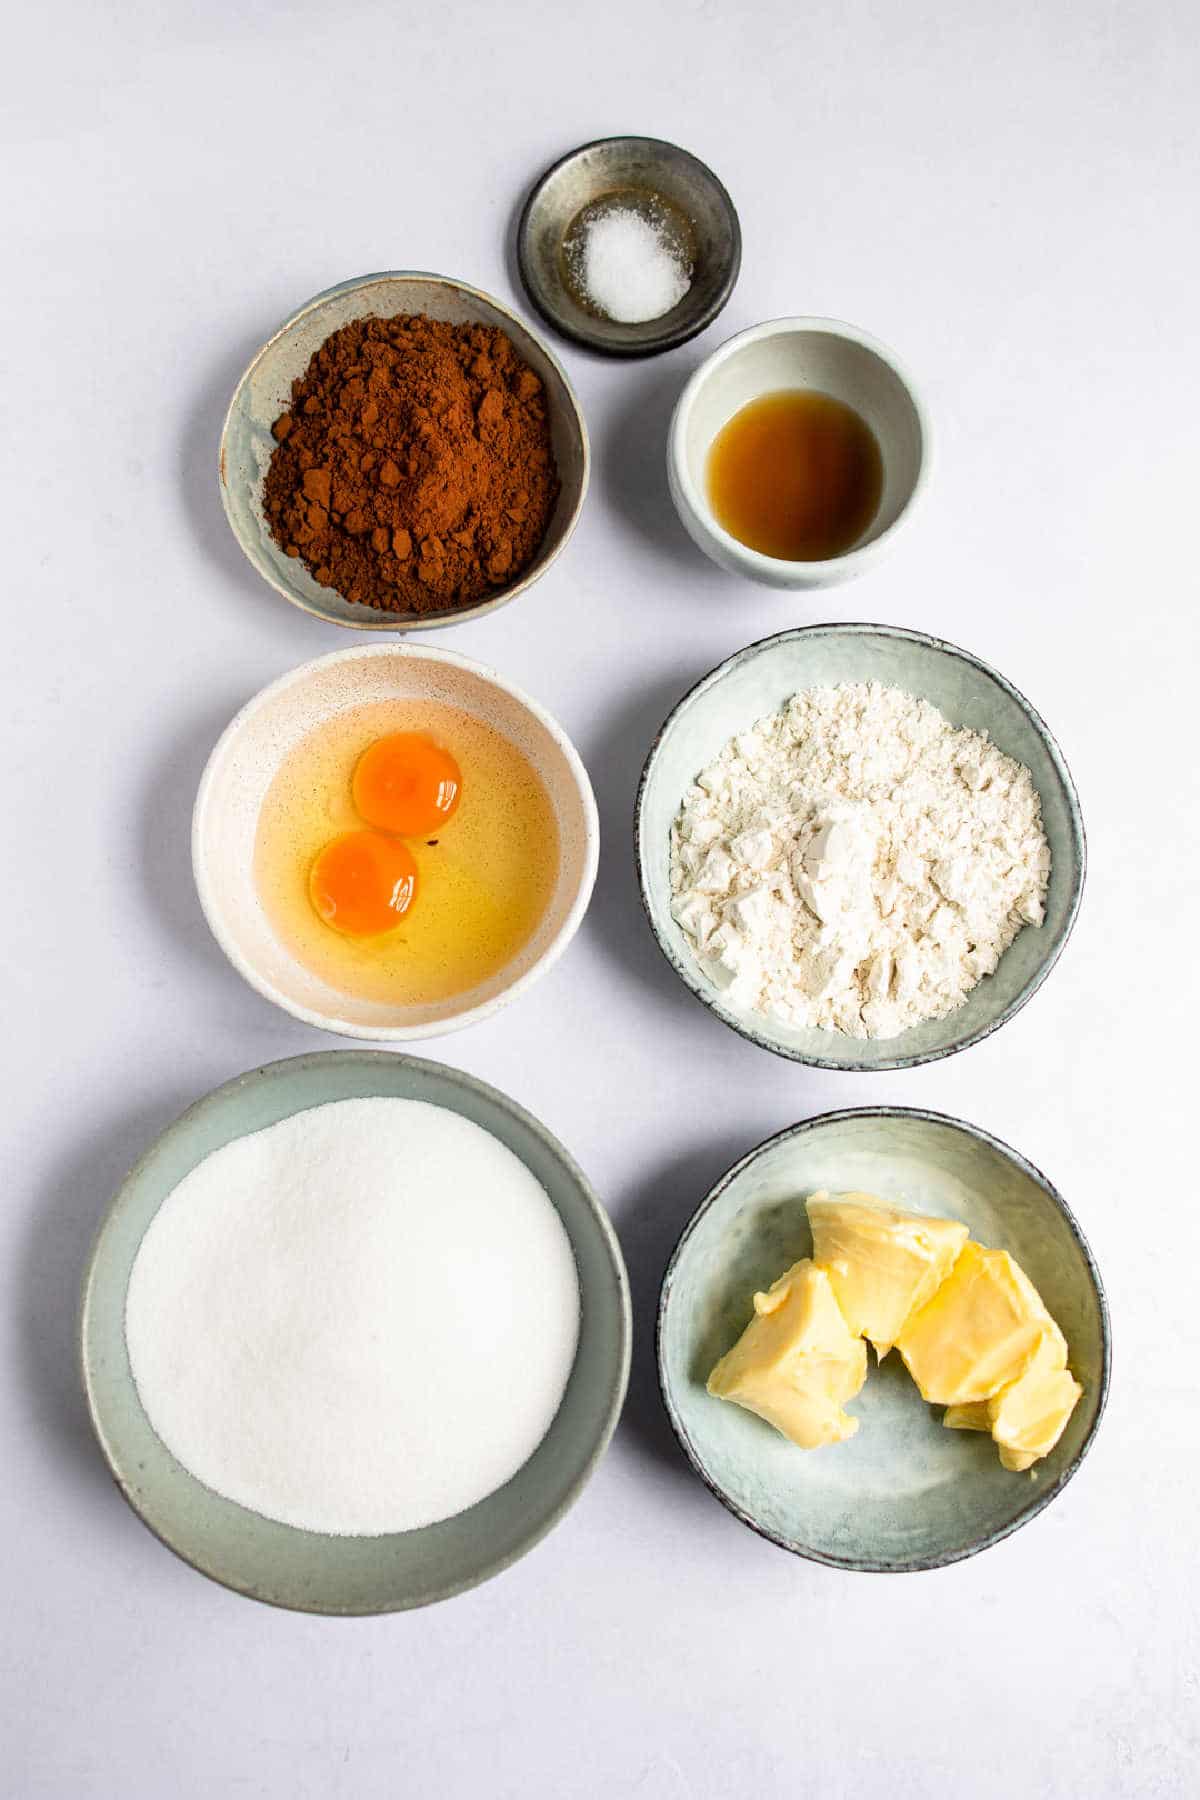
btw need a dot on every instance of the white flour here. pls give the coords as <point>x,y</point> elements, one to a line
<point>856,862</point>
<point>357,1321</point>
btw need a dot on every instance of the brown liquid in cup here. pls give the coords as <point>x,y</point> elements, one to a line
<point>796,475</point>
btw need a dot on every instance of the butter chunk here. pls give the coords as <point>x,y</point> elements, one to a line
<point>971,1417</point>
<point>979,1332</point>
<point>797,1361</point>
<point>1028,1417</point>
<point>883,1263</point>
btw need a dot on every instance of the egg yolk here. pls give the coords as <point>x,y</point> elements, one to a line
<point>406,783</point>
<point>362,883</point>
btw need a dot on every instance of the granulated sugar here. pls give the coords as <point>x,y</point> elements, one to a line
<point>628,266</point>
<point>360,1320</point>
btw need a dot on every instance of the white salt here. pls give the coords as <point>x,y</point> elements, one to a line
<point>630,268</point>
<point>360,1320</point>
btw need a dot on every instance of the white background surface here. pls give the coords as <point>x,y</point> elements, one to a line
<point>1007,195</point>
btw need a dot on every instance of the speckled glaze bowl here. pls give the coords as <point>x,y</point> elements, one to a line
<point>246,760</point>
<point>263,393</point>
<point>760,680</point>
<point>306,1570</point>
<point>904,1493</point>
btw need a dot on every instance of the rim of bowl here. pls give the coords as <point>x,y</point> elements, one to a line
<point>451,615</point>
<point>667,340</point>
<point>397,1034</point>
<point>1037,1501</point>
<point>771,567</point>
<point>708,995</point>
<point>212,1101</point>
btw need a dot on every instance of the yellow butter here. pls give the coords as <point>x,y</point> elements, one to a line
<point>972,1417</point>
<point>1028,1417</point>
<point>797,1361</point>
<point>979,1332</point>
<point>883,1263</point>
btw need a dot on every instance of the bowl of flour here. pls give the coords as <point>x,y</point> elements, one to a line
<point>859,846</point>
<point>355,1333</point>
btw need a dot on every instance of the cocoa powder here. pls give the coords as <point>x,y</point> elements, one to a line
<point>413,470</point>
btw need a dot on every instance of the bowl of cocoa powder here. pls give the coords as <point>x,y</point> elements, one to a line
<point>403,453</point>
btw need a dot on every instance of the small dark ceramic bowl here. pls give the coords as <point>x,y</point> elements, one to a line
<point>625,167</point>
<point>904,1493</point>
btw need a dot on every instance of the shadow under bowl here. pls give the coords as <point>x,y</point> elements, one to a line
<point>904,1493</point>
<point>759,681</point>
<point>265,391</point>
<point>312,1571</point>
<point>248,756</point>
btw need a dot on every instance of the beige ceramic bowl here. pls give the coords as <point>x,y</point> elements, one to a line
<point>244,763</point>
<point>263,393</point>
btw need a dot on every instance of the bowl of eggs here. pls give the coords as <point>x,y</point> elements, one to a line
<point>392,842</point>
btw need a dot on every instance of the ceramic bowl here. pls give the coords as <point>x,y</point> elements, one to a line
<point>833,358</point>
<point>311,1571</point>
<point>758,681</point>
<point>245,761</point>
<point>629,166</point>
<point>904,1493</point>
<point>265,389</point>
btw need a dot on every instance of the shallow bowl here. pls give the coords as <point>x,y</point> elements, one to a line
<point>904,1493</point>
<point>311,1571</point>
<point>758,681</point>
<point>246,760</point>
<point>265,391</point>
<point>832,358</point>
<point>629,166</point>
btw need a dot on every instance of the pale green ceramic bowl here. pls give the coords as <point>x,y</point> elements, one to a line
<point>263,393</point>
<point>307,1570</point>
<point>759,680</point>
<point>904,1493</point>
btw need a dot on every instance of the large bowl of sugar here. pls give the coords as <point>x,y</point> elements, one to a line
<point>291,1342</point>
<point>759,682</point>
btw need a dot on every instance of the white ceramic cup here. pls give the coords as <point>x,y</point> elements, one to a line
<point>832,358</point>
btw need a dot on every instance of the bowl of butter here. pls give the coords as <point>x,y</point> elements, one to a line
<point>883,1341</point>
